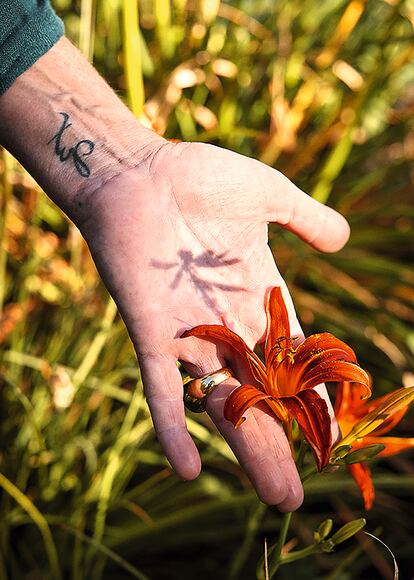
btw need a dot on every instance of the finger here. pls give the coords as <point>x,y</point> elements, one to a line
<point>261,448</point>
<point>260,444</point>
<point>280,451</point>
<point>315,223</point>
<point>163,387</point>
<point>200,357</point>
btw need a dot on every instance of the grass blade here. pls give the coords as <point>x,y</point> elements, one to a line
<point>35,515</point>
<point>133,60</point>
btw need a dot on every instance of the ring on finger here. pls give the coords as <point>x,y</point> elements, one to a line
<point>196,391</point>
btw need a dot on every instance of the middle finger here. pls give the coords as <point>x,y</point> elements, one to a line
<point>261,448</point>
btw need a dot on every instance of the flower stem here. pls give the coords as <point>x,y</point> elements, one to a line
<point>307,473</point>
<point>299,554</point>
<point>289,433</point>
<point>301,454</point>
<point>280,543</point>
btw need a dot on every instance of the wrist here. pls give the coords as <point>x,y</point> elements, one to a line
<point>76,134</point>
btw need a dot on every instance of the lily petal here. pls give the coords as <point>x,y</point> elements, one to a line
<point>349,400</point>
<point>317,349</point>
<point>393,445</point>
<point>362,475</point>
<point>316,344</point>
<point>311,413</point>
<point>277,325</point>
<point>392,404</point>
<point>241,399</point>
<point>337,371</point>
<point>224,334</point>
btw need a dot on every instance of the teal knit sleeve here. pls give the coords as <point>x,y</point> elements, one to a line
<point>28,29</point>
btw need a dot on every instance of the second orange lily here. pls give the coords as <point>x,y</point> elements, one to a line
<point>286,380</point>
<point>365,423</point>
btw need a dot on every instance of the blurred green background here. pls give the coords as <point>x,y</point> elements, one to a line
<point>323,91</point>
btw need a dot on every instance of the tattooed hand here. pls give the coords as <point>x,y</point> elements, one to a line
<point>181,240</point>
<point>179,234</point>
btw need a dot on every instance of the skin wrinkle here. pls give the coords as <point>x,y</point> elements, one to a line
<point>322,228</point>
<point>292,214</point>
<point>278,205</point>
<point>209,191</point>
<point>154,357</point>
<point>203,363</point>
<point>85,197</point>
<point>272,484</point>
<point>200,241</point>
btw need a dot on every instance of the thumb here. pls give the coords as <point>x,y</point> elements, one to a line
<point>318,225</point>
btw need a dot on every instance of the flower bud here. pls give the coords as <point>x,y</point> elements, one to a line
<point>338,453</point>
<point>323,530</point>
<point>348,530</point>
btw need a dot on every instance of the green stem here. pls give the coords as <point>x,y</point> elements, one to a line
<point>307,474</point>
<point>280,543</point>
<point>289,434</point>
<point>299,554</point>
<point>301,454</point>
<point>277,554</point>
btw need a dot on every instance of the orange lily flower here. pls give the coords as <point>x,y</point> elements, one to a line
<point>287,379</point>
<point>365,423</point>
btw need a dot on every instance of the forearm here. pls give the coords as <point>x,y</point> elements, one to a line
<point>69,129</point>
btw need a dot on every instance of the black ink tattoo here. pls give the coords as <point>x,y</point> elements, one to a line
<point>81,149</point>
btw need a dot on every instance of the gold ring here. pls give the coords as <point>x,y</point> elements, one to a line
<point>196,391</point>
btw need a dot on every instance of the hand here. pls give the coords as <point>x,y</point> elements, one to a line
<point>181,240</point>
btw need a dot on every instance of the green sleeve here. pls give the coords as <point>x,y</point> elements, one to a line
<point>28,29</point>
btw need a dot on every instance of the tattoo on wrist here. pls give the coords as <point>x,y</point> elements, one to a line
<point>78,152</point>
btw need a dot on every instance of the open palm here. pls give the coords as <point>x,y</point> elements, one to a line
<point>181,240</point>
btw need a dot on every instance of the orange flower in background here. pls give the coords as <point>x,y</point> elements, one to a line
<point>287,379</point>
<point>365,423</point>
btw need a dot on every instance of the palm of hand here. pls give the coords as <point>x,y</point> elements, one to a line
<point>186,244</point>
